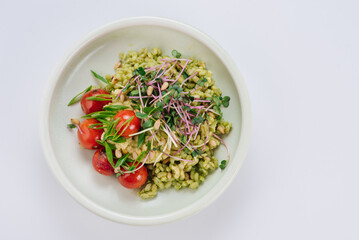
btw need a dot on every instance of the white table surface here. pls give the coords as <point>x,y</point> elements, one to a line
<point>300,60</point>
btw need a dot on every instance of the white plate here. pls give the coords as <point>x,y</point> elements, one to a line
<point>98,51</point>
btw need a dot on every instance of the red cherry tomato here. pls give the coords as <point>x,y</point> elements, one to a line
<point>101,164</point>
<point>89,106</point>
<point>135,179</point>
<point>130,127</point>
<point>88,136</point>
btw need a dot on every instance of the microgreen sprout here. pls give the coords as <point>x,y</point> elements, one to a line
<point>223,164</point>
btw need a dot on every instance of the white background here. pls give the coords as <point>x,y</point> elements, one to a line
<point>300,60</point>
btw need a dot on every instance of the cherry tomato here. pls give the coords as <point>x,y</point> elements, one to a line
<point>101,164</point>
<point>89,106</point>
<point>135,179</point>
<point>130,127</point>
<point>88,136</point>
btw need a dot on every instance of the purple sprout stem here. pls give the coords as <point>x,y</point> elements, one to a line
<point>223,144</point>
<point>119,94</point>
<point>183,68</point>
<point>194,74</point>
<point>181,159</point>
<point>204,144</point>
<point>139,92</point>
<point>143,163</point>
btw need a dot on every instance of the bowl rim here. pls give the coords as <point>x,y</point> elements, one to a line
<point>217,189</point>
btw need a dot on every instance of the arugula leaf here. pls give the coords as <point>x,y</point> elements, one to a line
<point>78,96</point>
<point>141,115</point>
<point>99,77</point>
<point>141,139</point>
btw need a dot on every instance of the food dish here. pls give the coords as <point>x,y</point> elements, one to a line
<point>157,118</point>
<point>98,50</point>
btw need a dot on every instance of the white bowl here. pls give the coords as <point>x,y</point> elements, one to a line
<point>71,164</point>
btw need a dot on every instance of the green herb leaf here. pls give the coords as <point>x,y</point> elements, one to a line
<point>123,126</point>
<point>176,54</point>
<point>156,114</point>
<point>141,115</point>
<point>116,139</point>
<point>71,125</point>
<point>185,75</point>
<point>141,71</point>
<point>197,120</point>
<point>96,126</point>
<point>148,124</point>
<point>225,101</point>
<point>141,139</point>
<point>114,108</point>
<point>223,164</point>
<point>134,93</point>
<point>136,107</point>
<point>100,114</point>
<point>78,96</point>
<point>99,77</point>
<point>110,128</point>
<point>140,157</point>
<point>157,148</point>
<point>126,88</point>
<point>121,160</point>
<point>202,81</point>
<point>148,110</point>
<point>100,97</point>
<point>109,153</point>
<point>159,106</point>
<point>217,101</point>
